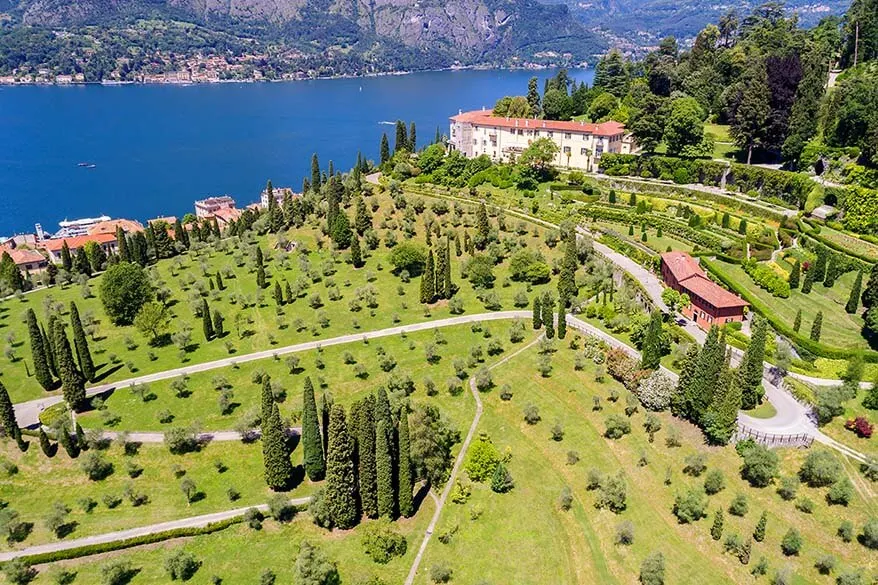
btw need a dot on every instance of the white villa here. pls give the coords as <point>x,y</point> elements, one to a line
<point>580,144</point>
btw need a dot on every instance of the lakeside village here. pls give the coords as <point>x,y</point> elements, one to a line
<point>475,133</point>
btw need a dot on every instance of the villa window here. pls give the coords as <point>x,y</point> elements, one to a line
<point>583,151</point>
<point>551,133</point>
<point>536,132</point>
<point>566,150</point>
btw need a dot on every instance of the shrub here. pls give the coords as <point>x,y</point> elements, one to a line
<point>181,440</point>
<point>652,570</point>
<point>616,426</point>
<point>791,543</point>
<point>715,482</point>
<point>625,533</point>
<point>789,485</point>
<point>280,508</point>
<point>760,465</point>
<point>690,507</point>
<point>845,531</point>
<point>841,492</point>
<point>825,564</point>
<point>96,467</point>
<point>861,426</point>
<point>612,493</point>
<point>482,459</point>
<point>869,537</point>
<point>739,506</point>
<point>181,565</point>
<point>767,278</point>
<point>531,414</point>
<point>440,573</point>
<point>117,572</point>
<point>382,543</point>
<point>695,465</point>
<point>805,505</point>
<point>18,572</point>
<point>656,390</point>
<point>820,468</point>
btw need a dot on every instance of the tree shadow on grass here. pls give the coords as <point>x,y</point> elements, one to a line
<point>109,371</point>
<point>421,495</point>
<point>66,529</point>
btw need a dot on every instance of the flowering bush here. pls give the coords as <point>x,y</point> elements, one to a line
<point>861,426</point>
<point>655,391</point>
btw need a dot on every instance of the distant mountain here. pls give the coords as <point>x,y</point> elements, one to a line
<point>432,32</point>
<point>643,22</point>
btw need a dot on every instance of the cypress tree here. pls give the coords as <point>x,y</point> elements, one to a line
<point>680,404</point>
<point>632,200</point>
<point>612,197</point>
<point>742,227</point>
<point>441,267</point>
<point>81,263</point>
<point>384,153</point>
<point>341,485</point>
<point>726,220</point>
<point>42,371</point>
<point>483,228</point>
<point>402,140</point>
<point>325,407</point>
<point>218,320</point>
<point>48,345</point>
<point>260,268</point>
<point>180,234</point>
<point>831,271</point>
<point>7,418</point>
<point>567,277</point>
<point>722,415</point>
<point>759,532</point>
<point>651,352</point>
<point>711,360</point>
<point>631,230</point>
<point>356,254</point>
<point>71,447</point>
<point>406,504</point>
<point>362,217</point>
<point>80,342</point>
<point>854,298</point>
<point>716,531</point>
<point>312,443</point>
<point>275,453</point>
<point>72,381</point>
<point>122,245</point>
<point>366,457</point>
<point>278,294</point>
<point>820,264</point>
<point>45,444</point>
<point>288,293</point>
<point>266,403</point>
<point>315,174</point>
<point>467,242</point>
<point>548,316</point>
<point>870,293</point>
<point>797,324</point>
<point>537,312</point>
<point>219,281</point>
<point>206,323</point>
<point>413,140</point>
<point>384,470</point>
<point>457,248</point>
<point>750,370</point>
<point>817,326</point>
<point>447,284</point>
<point>428,281</point>
<point>66,259</point>
<point>81,443</point>
<point>562,318</point>
<point>794,275</point>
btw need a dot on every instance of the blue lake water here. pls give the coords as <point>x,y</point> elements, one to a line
<point>159,148</point>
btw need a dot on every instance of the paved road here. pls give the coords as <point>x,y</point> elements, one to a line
<point>28,413</point>
<point>192,522</point>
<point>458,462</point>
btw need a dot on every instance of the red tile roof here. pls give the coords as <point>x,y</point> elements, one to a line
<point>23,255</point>
<point>690,277</point>
<point>109,227</point>
<point>55,245</point>
<point>486,118</point>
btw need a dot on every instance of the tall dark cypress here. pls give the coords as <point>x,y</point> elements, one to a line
<point>384,469</point>
<point>341,484</point>
<point>315,173</point>
<point>48,345</point>
<point>122,245</point>
<point>206,323</point>
<point>537,312</point>
<point>441,266</point>
<point>483,227</point>
<point>42,371</point>
<point>80,342</point>
<point>180,233</point>
<point>548,316</point>
<point>854,297</point>
<point>362,217</point>
<point>402,141</point>
<point>651,355</point>
<point>7,417</point>
<point>266,403</point>
<point>809,280</point>
<point>562,318</point>
<point>447,284</point>
<point>312,443</point>
<point>710,363</point>
<point>721,416</point>
<point>356,253</point>
<point>68,441</point>
<point>326,403</point>
<point>750,370</point>
<point>681,400</point>
<point>384,152</point>
<point>275,453</point>
<point>428,281</point>
<point>278,294</point>
<point>817,326</point>
<point>413,140</point>
<point>260,268</point>
<point>567,277</point>
<point>366,457</point>
<point>45,444</point>
<point>66,258</point>
<point>72,380</point>
<point>405,498</point>
<point>81,263</point>
<point>795,274</point>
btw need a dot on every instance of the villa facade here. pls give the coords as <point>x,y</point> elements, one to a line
<point>709,303</point>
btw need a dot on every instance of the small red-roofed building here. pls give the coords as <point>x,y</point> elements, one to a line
<point>129,226</point>
<point>26,259</point>
<point>709,303</point>
<point>53,246</point>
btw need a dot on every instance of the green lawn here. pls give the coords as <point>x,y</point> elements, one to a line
<point>253,322</point>
<point>839,328</point>
<point>653,241</point>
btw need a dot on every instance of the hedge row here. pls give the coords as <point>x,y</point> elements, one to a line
<point>790,187</point>
<point>815,347</point>
<point>767,279</point>
<point>693,235</point>
<point>865,261</point>
<point>640,256</point>
<point>678,193</point>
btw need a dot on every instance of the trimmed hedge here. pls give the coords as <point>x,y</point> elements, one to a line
<point>767,279</point>
<point>815,347</point>
<point>792,188</point>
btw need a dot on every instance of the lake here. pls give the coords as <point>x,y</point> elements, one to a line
<point>158,148</point>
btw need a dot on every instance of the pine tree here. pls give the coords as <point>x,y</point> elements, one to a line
<point>854,298</point>
<point>428,281</point>
<point>548,316</point>
<point>750,370</point>
<point>356,254</point>
<point>206,322</point>
<point>406,504</point>
<point>275,453</point>
<point>797,324</point>
<point>341,485</point>
<point>384,155</point>
<point>651,352</point>
<point>366,457</point>
<point>72,380</point>
<point>312,443</point>
<point>537,312</point>
<point>80,342</point>
<point>831,271</point>
<point>483,227</point>
<point>45,444</point>
<point>716,531</point>
<point>816,326</point>
<point>260,269</point>
<point>218,329</point>
<point>42,371</point>
<point>362,217</point>
<point>759,532</point>
<point>66,259</point>
<point>794,275</point>
<point>384,469</point>
<point>413,140</point>
<point>562,318</point>
<point>278,294</point>
<point>7,418</point>
<point>315,173</point>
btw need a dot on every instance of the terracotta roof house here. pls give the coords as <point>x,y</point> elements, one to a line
<point>109,227</point>
<point>710,304</point>
<point>53,247</point>
<point>26,259</point>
